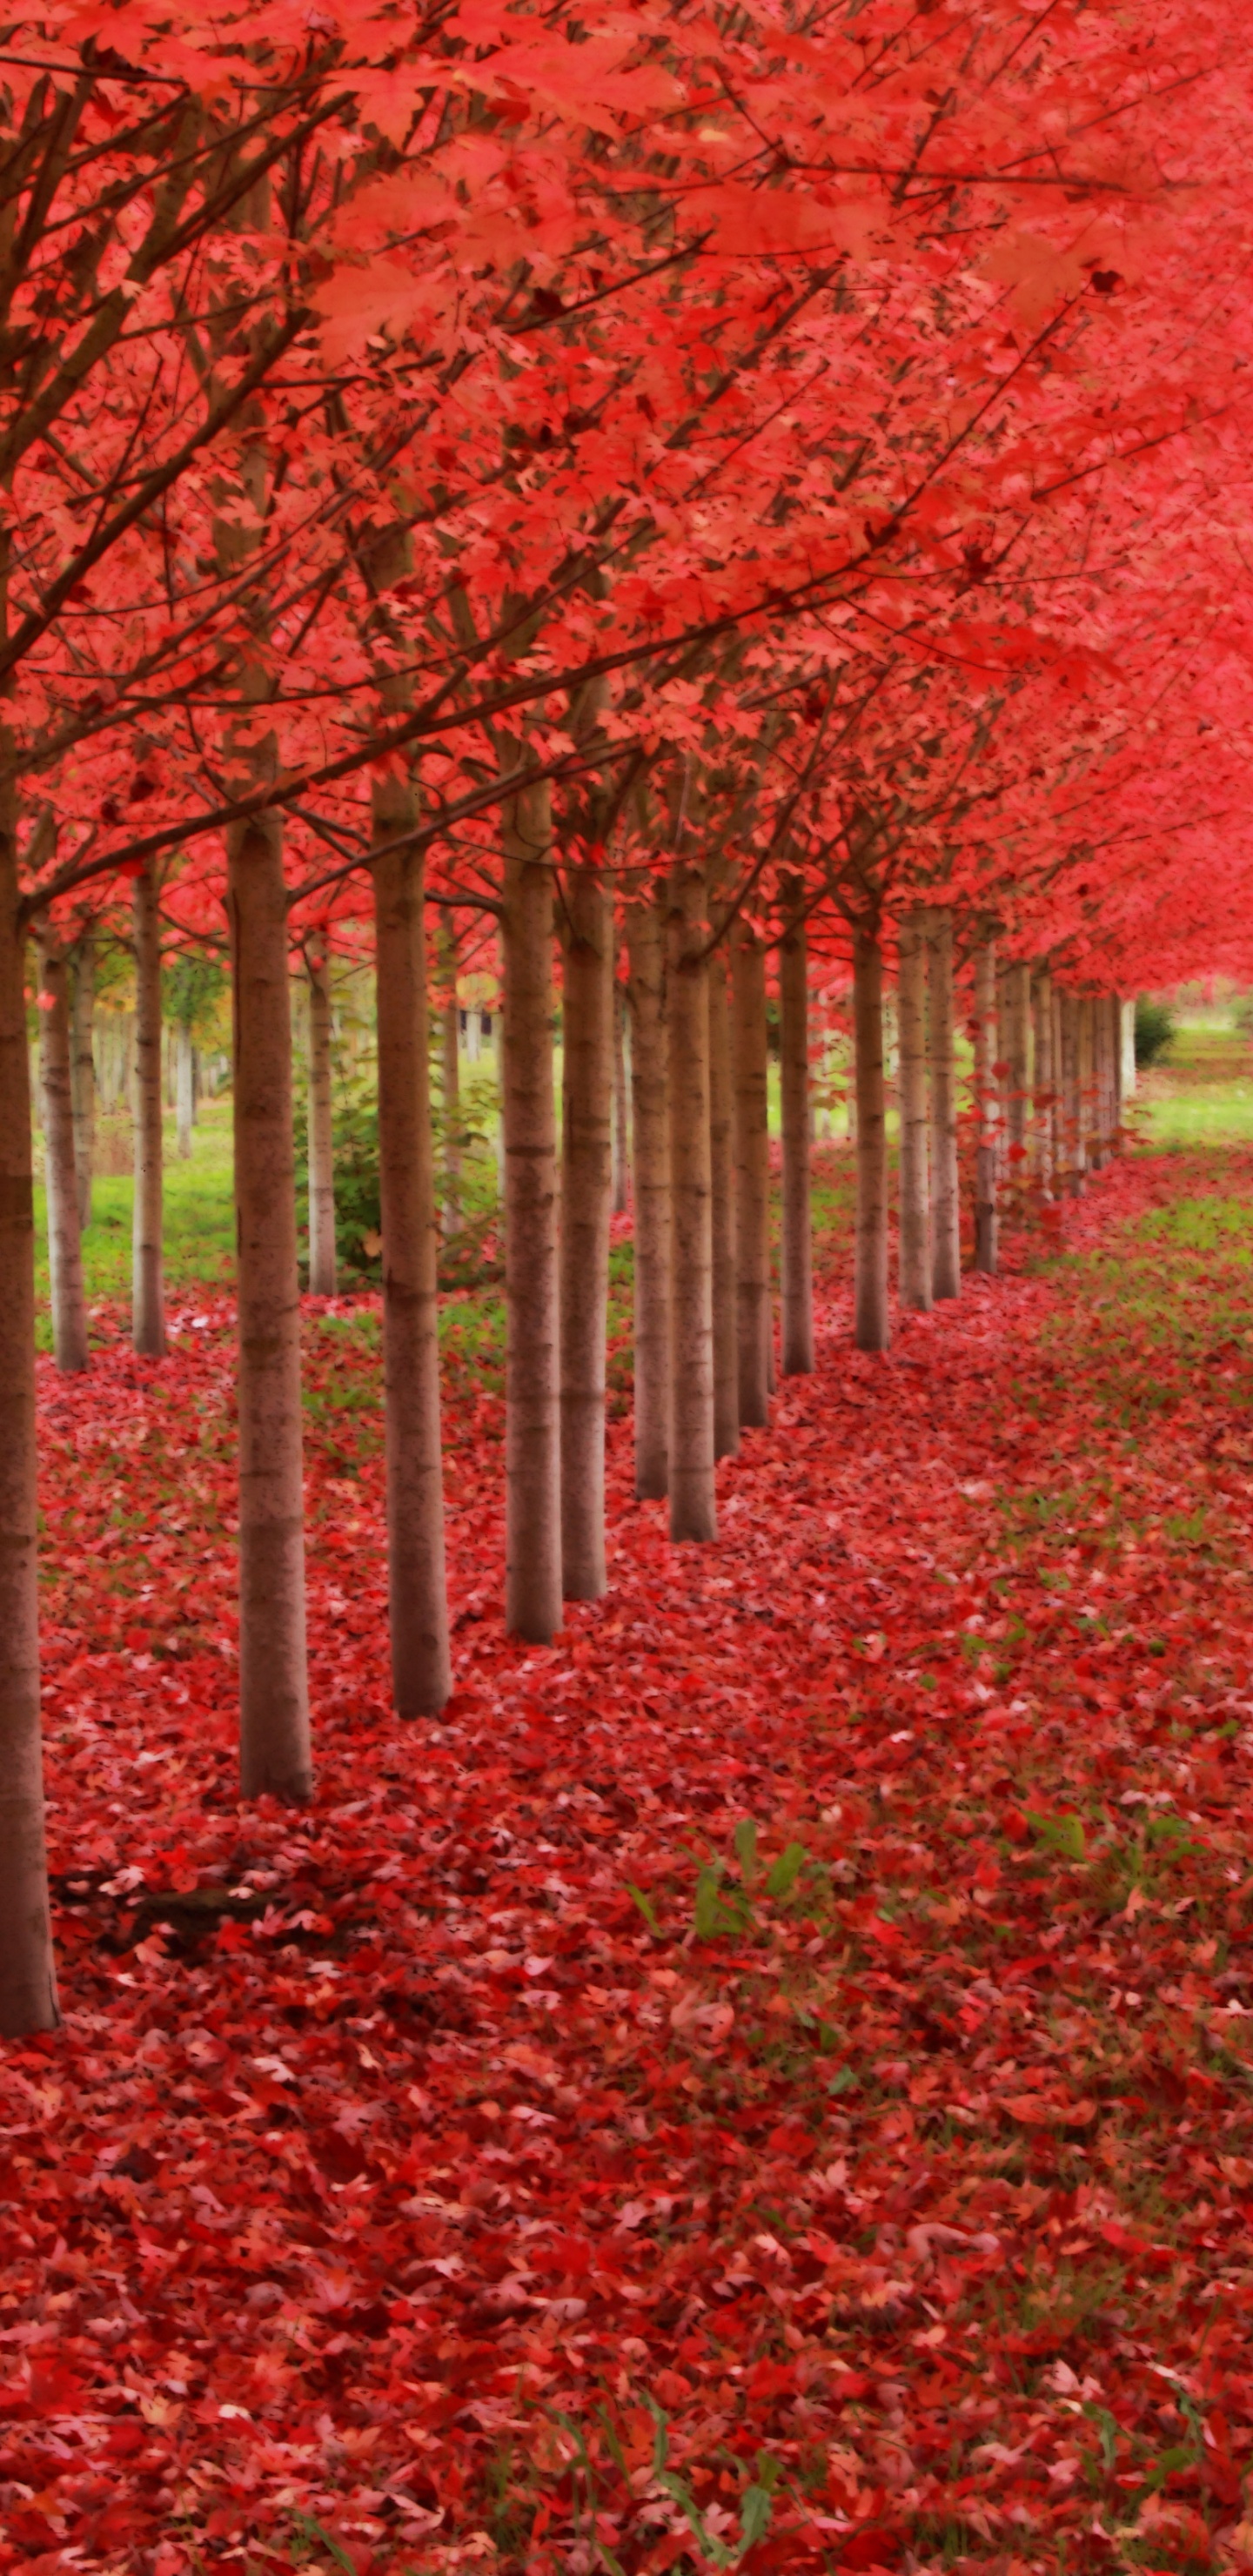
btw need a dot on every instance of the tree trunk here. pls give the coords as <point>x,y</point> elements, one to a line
<point>1018,1015</point>
<point>1042,1129</point>
<point>416,1589</point>
<point>586,1193</point>
<point>148,1283</point>
<point>322,1258</point>
<point>870,1295</point>
<point>1087,1085</point>
<point>946,1273</point>
<point>693,1510</point>
<point>722,1218</point>
<point>1072,1107</point>
<point>752,1174</point>
<point>450,1078</point>
<point>797,1264</point>
<point>84,1072</point>
<point>184,1089</point>
<point>915,1217</point>
<point>28,1991</point>
<point>532,1382</point>
<point>65,1260</point>
<point>651,1122</point>
<point>1116,1066</point>
<point>621,1140</point>
<point>275,1751</point>
<point>987,1104</point>
<point>1127,1049</point>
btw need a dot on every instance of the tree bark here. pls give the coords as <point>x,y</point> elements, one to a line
<point>871,1328</point>
<point>722,1216</point>
<point>1018,1032</point>
<point>148,1280</point>
<point>28,1991</point>
<point>914,1246</point>
<point>621,1137</point>
<point>321,1143</point>
<point>65,1260</point>
<point>586,1193</point>
<point>275,1752</point>
<point>693,1510</point>
<point>646,992</point>
<point>752,1173</point>
<point>416,1588</point>
<point>797,1302</point>
<point>1127,1050</point>
<point>1042,1095</point>
<point>1072,1107</point>
<point>946,1205</point>
<point>184,1087</point>
<point>1087,1085</point>
<point>532,1381</point>
<point>84,1072</point>
<point>987,1103</point>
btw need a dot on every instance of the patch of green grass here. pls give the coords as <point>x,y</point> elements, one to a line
<point>199,1222</point>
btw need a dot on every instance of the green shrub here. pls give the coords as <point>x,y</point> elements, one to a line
<point>1155,1029</point>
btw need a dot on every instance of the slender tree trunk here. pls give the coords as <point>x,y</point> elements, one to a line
<point>586,1195</point>
<point>28,1990</point>
<point>65,1260</point>
<point>148,1281</point>
<point>987,1102</point>
<point>722,1185</point>
<point>84,1069</point>
<point>752,1173</point>
<point>1127,1049</point>
<point>184,1088</point>
<point>946,1276</point>
<point>1058,1126</point>
<point>1042,1131</point>
<point>1116,1067</point>
<point>1018,1015</point>
<point>693,1511</point>
<point>621,1139</point>
<point>1087,1087</point>
<point>417,1594</point>
<point>532,1369</point>
<point>450,1075</point>
<point>1072,1103</point>
<point>275,1751</point>
<point>914,1246</point>
<point>646,986</point>
<point>871,1328</point>
<point>797,1265</point>
<point>321,1143</point>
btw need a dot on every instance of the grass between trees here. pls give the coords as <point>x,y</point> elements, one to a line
<point>767,2081</point>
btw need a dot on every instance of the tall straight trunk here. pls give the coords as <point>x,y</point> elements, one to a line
<point>532,1363</point>
<point>797,1303</point>
<point>871,1328</point>
<point>1127,1050</point>
<point>586,1194</point>
<point>752,1173</point>
<point>1058,1123</point>
<point>621,1138</point>
<point>28,1989</point>
<point>1115,1009</point>
<point>1100,1112</point>
<point>646,997</point>
<point>722,1216</point>
<point>914,1246</point>
<point>65,1260</point>
<point>693,1511</point>
<point>184,1087</point>
<point>1018,1016</point>
<point>987,1105</point>
<point>1087,1084</point>
<point>946,1270</point>
<point>275,1752</point>
<point>1042,1092</point>
<point>416,1588</point>
<point>1072,1105</point>
<point>148,1282</point>
<point>321,1143</point>
<point>84,1071</point>
<point>450,1076</point>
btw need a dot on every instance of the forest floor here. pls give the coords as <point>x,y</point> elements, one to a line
<point>765,2082</point>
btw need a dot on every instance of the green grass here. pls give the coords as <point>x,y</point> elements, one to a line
<point>199,1230</point>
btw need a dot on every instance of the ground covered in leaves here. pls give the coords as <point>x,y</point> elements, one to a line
<point>767,2082</point>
